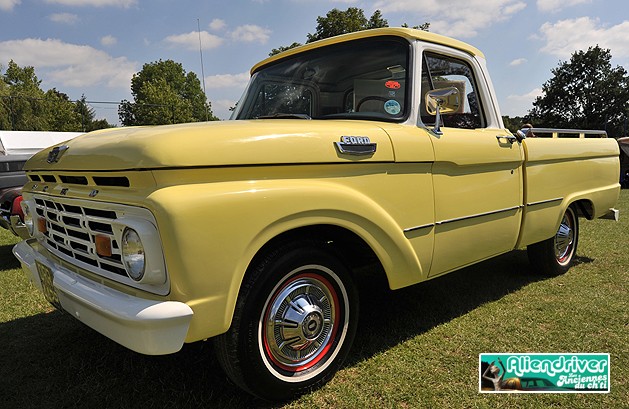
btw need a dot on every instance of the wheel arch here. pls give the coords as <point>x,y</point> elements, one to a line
<point>344,244</point>
<point>354,245</point>
<point>585,208</point>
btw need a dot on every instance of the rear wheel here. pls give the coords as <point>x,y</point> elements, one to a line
<point>555,256</point>
<point>294,323</point>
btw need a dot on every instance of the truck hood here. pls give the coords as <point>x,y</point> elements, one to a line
<point>228,143</point>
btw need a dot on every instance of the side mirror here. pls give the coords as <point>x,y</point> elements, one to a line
<point>442,101</point>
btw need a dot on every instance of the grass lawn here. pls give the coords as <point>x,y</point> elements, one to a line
<point>415,348</point>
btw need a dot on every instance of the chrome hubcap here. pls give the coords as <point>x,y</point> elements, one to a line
<point>564,239</point>
<point>299,322</point>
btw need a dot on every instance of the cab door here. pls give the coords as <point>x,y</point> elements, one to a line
<point>477,173</point>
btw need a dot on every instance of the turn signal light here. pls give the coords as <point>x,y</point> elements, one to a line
<point>103,245</point>
<point>41,225</point>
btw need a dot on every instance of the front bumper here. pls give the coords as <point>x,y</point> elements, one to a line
<point>145,326</point>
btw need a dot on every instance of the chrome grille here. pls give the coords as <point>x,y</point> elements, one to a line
<point>71,231</point>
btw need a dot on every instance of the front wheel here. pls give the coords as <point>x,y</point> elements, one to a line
<point>294,323</point>
<point>555,255</point>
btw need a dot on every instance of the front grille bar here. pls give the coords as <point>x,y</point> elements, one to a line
<point>71,231</point>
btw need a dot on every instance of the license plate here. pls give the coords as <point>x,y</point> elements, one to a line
<point>46,277</point>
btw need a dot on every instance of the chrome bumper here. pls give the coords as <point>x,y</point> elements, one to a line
<point>145,326</point>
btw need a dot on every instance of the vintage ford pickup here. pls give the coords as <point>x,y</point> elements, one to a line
<point>383,145</point>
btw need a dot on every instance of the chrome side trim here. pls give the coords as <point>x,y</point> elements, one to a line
<point>558,199</point>
<point>423,226</point>
<point>458,219</point>
<point>474,216</point>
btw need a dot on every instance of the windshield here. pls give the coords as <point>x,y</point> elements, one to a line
<point>365,79</point>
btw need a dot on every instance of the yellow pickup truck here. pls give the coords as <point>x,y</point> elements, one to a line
<point>384,145</point>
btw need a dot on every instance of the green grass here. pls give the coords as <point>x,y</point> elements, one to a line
<point>415,348</point>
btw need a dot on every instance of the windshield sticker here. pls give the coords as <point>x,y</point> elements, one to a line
<point>392,107</point>
<point>392,85</point>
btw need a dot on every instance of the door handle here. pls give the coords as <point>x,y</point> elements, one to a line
<point>509,138</point>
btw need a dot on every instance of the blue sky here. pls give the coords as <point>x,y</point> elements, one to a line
<point>93,47</point>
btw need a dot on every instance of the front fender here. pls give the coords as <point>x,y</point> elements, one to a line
<point>212,231</point>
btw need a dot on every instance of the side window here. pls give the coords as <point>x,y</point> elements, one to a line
<point>440,71</point>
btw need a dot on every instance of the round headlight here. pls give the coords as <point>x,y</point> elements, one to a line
<point>133,254</point>
<point>28,218</point>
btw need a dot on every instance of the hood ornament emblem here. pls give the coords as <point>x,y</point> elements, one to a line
<point>356,145</point>
<point>56,152</point>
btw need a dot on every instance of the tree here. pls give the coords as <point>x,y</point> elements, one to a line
<point>60,113</point>
<point>423,27</point>
<point>5,113</point>
<point>585,93</point>
<point>87,116</point>
<point>337,22</point>
<point>164,93</point>
<point>283,48</point>
<point>513,123</point>
<point>24,106</point>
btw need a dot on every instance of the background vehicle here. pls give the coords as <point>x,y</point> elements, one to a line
<point>15,149</point>
<point>624,161</point>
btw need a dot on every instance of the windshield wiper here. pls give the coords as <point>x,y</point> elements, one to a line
<point>281,115</point>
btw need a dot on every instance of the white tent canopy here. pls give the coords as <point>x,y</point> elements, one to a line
<point>31,142</point>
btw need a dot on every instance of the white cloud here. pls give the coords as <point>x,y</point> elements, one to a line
<point>64,18</point>
<point>454,17</point>
<point>69,64</point>
<point>250,33</point>
<point>554,6</point>
<point>217,24</point>
<point>7,5</point>
<point>565,37</point>
<point>108,41</point>
<point>191,40</point>
<point>221,107</point>
<point>517,62</point>
<point>95,3</point>
<point>233,81</point>
<point>529,96</point>
<point>518,105</point>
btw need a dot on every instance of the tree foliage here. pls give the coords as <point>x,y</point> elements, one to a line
<point>585,93</point>
<point>513,123</point>
<point>337,22</point>
<point>24,106</point>
<point>87,116</point>
<point>164,93</point>
<point>283,48</point>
